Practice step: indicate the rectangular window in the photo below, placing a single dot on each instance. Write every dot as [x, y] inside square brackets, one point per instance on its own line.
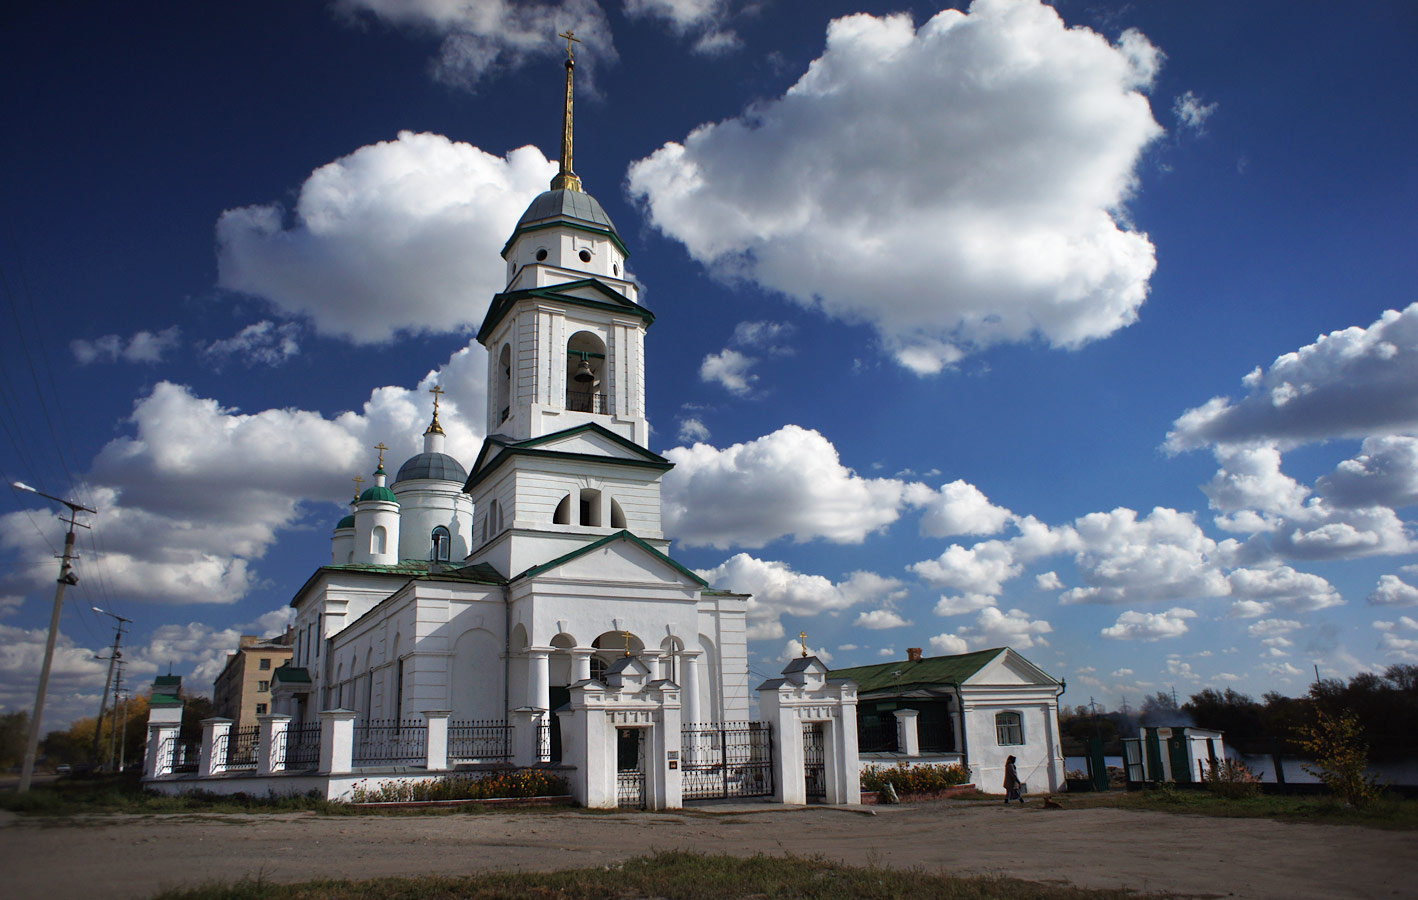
[1009, 730]
[263, 686]
[260, 709]
[265, 663]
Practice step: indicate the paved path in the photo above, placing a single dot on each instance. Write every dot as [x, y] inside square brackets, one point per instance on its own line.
[133, 856]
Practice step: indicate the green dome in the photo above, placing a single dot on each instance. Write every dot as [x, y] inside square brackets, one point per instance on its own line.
[346, 522]
[379, 492]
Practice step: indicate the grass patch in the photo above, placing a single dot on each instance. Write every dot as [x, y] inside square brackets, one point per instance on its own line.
[671, 875]
[1389, 812]
[122, 794]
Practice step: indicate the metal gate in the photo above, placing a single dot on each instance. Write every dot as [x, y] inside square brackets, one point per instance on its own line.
[630, 768]
[814, 761]
[734, 759]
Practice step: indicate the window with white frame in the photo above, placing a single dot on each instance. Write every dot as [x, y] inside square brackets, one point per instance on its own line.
[1009, 729]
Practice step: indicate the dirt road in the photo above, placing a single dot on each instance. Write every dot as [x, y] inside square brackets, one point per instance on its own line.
[132, 856]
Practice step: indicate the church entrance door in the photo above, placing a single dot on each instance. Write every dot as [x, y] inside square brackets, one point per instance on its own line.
[814, 761]
[630, 768]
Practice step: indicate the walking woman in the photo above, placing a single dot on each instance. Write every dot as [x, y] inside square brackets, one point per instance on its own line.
[1011, 783]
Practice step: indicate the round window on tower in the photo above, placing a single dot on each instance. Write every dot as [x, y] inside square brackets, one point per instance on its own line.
[541, 255]
[585, 255]
[615, 269]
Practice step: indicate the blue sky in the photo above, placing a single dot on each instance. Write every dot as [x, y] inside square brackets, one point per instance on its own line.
[1087, 330]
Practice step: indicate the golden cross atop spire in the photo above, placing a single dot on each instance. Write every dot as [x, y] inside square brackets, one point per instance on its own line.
[381, 448]
[565, 179]
[802, 635]
[627, 642]
[570, 38]
[434, 427]
[359, 482]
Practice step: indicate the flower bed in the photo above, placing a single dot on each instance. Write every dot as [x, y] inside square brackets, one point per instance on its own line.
[508, 785]
[875, 798]
[913, 779]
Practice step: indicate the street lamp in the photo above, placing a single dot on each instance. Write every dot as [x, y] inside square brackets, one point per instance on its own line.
[113, 658]
[66, 578]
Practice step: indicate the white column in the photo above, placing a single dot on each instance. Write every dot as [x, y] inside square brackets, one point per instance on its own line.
[160, 756]
[271, 751]
[581, 663]
[539, 677]
[336, 741]
[437, 744]
[653, 660]
[689, 675]
[216, 732]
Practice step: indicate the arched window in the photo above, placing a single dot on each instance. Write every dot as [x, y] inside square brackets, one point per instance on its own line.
[585, 364]
[1009, 729]
[442, 544]
[617, 515]
[562, 516]
[504, 382]
[493, 522]
[378, 540]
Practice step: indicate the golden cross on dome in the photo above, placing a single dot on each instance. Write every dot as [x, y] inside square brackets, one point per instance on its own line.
[570, 39]
[437, 392]
[627, 642]
[358, 483]
[802, 635]
[381, 448]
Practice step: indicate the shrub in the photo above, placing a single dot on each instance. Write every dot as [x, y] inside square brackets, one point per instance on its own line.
[913, 779]
[500, 785]
[1231, 779]
[1341, 756]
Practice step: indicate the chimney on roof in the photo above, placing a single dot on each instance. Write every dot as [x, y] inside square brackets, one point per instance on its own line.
[913, 654]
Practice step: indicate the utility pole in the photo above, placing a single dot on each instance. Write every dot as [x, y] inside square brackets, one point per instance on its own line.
[114, 657]
[113, 729]
[123, 742]
[66, 578]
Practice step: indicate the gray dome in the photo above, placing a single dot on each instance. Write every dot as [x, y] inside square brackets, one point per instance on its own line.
[567, 204]
[437, 466]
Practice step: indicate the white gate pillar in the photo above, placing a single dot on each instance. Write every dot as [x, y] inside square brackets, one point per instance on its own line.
[526, 744]
[162, 749]
[804, 695]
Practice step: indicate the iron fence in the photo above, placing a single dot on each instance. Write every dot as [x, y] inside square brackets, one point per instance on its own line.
[301, 748]
[936, 737]
[544, 742]
[240, 748]
[733, 759]
[479, 739]
[588, 401]
[178, 757]
[390, 741]
[878, 737]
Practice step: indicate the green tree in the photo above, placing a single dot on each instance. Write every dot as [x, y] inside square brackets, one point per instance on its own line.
[14, 731]
[1233, 713]
[1336, 741]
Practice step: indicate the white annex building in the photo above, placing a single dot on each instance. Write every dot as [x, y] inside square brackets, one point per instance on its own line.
[486, 590]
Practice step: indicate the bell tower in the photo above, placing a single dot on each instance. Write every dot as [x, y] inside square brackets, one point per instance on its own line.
[566, 337]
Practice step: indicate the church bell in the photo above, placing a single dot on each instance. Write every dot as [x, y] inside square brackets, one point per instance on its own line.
[584, 373]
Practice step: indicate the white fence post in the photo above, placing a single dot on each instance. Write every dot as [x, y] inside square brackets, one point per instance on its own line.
[907, 732]
[337, 741]
[271, 751]
[437, 743]
[216, 737]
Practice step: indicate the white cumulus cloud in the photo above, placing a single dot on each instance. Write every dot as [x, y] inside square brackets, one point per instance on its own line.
[141, 347]
[958, 508]
[1028, 144]
[398, 236]
[788, 483]
[778, 590]
[1143, 626]
[1394, 591]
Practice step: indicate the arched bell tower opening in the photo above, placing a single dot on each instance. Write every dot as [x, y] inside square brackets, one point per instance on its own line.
[504, 383]
[585, 368]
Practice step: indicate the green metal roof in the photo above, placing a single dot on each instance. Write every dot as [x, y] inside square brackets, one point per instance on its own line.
[346, 522]
[292, 675]
[500, 450]
[931, 670]
[614, 301]
[379, 492]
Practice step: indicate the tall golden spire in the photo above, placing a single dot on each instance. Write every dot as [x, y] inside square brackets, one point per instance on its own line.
[566, 179]
[434, 427]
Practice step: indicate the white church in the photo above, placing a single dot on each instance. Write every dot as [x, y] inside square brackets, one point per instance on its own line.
[525, 609]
